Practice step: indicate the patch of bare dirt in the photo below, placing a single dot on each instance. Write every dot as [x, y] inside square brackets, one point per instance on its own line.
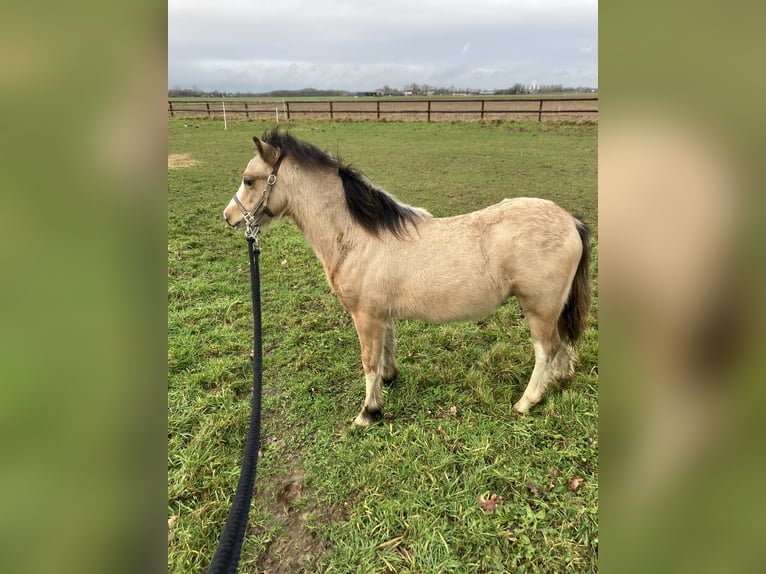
[298, 549]
[180, 161]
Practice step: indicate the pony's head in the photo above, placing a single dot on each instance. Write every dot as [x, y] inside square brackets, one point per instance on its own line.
[258, 196]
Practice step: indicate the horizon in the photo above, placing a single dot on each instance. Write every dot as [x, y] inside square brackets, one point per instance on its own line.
[517, 89]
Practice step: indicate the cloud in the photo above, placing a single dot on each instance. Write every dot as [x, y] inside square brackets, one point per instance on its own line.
[295, 74]
[234, 45]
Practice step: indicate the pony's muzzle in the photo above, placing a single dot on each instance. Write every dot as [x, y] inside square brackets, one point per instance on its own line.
[232, 219]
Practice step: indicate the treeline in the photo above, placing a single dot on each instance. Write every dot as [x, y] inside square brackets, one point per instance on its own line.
[426, 90]
[543, 89]
[195, 92]
[412, 89]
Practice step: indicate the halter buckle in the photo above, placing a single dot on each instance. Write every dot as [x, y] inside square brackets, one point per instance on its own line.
[251, 231]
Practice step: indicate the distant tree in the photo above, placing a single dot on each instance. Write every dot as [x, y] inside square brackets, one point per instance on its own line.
[513, 90]
[550, 88]
[388, 91]
[415, 88]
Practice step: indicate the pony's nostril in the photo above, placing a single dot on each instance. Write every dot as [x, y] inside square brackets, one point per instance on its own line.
[231, 222]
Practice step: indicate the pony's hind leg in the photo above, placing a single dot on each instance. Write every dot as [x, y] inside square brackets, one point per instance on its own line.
[390, 372]
[372, 333]
[563, 364]
[547, 343]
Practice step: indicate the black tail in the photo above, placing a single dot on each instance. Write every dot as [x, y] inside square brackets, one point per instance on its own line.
[574, 316]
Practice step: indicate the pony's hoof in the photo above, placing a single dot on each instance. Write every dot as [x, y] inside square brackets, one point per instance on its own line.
[521, 407]
[366, 418]
[361, 421]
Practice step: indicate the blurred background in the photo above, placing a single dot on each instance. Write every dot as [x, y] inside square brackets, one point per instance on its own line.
[83, 329]
[82, 297]
[681, 306]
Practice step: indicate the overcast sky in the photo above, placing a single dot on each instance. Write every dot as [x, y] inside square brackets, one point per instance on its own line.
[359, 45]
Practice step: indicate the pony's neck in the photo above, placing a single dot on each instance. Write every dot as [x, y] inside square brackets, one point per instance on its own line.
[317, 206]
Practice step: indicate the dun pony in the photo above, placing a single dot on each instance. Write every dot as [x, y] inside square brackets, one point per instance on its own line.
[386, 260]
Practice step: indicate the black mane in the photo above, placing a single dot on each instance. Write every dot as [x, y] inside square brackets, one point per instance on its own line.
[301, 151]
[370, 206]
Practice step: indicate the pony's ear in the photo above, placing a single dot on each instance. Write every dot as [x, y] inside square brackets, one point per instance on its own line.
[268, 152]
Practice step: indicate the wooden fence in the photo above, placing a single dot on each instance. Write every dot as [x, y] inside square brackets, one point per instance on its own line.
[407, 109]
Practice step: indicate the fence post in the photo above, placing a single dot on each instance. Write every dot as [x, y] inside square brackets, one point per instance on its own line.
[287, 107]
[482, 109]
[540, 112]
[247, 113]
[429, 110]
[207, 105]
[331, 116]
[171, 109]
[378, 105]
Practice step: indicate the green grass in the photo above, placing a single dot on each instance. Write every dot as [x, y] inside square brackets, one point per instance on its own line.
[400, 496]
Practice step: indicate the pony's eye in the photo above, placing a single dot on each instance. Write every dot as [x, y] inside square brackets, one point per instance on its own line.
[248, 182]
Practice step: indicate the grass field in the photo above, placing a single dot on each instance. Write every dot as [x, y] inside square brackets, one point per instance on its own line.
[404, 495]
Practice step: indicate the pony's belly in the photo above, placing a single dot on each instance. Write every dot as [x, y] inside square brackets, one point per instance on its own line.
[449, 309]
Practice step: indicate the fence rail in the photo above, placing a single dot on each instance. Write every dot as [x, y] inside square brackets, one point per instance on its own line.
[466, 109]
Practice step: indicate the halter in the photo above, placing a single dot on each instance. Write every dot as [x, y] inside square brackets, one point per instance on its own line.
[261, 208]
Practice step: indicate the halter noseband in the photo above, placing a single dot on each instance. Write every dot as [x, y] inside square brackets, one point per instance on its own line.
[261, 207]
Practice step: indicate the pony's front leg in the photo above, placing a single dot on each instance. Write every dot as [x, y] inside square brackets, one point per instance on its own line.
[372, 340]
